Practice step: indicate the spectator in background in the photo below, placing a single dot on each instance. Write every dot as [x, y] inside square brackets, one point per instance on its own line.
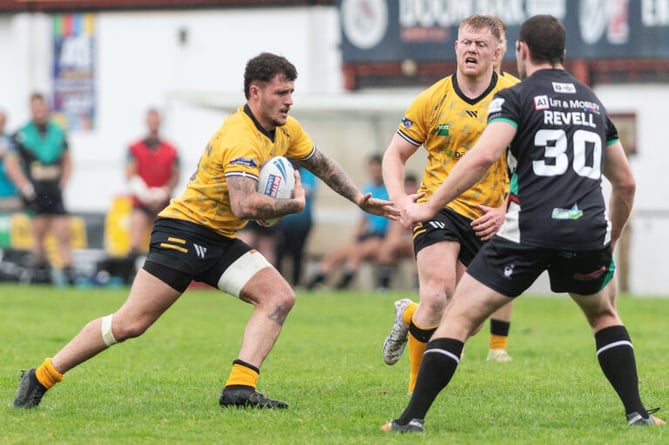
[261, 238]
[10, 200]
[152, 171]
[367, 239]
[397, 244]
[40, 165]
[294, 230]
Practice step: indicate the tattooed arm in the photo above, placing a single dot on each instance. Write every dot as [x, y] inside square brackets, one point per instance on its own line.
[247, 203]
[330, 172]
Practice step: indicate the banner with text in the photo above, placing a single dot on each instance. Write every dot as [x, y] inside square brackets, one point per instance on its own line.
[426, 30]
[74, 70]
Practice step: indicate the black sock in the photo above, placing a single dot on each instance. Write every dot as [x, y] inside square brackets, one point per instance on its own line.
[440, 361]
[385, 273]
[316, 279]
[616, 358]
[499, 327]
[346, 278]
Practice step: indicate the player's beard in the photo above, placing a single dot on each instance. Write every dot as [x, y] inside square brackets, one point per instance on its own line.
[279, 120]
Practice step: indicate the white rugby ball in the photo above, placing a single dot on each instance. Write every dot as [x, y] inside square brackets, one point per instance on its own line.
[276, 179]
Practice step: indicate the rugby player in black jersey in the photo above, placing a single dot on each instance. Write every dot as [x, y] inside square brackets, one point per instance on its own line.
[561, 143]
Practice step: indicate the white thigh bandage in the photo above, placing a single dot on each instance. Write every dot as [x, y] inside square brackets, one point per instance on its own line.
[107, 334]
[240, 272]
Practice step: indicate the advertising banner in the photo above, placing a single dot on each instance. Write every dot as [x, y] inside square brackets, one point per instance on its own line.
[74, 70]
[426, 30]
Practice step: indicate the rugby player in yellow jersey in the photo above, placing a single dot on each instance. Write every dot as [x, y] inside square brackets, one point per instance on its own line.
[194, 238]
[446, 120]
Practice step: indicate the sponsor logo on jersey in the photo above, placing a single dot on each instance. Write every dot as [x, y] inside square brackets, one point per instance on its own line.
[573, 213]
[496, 105]
[472, 113]
[567, 88]
[455, 154]
[408, 123]
[249, 162]
[585, 106]
[442, 129]
[541, 103]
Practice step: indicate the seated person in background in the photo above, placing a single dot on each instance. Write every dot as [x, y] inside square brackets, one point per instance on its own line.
[369, 234]
[152, 171]
[397, 244]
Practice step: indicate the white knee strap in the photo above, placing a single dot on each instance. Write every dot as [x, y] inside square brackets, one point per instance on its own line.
[106, 329]
[240, 272]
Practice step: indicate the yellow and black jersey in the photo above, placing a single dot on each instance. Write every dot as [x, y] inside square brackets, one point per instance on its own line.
[447, 124]
[238, 148]
[510, 77]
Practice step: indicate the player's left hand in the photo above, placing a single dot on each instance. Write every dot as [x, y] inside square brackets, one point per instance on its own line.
[378, 207]
[415, 213]
[488, 224]
[299, 194]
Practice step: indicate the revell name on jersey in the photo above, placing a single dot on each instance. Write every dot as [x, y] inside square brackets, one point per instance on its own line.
[560, 118]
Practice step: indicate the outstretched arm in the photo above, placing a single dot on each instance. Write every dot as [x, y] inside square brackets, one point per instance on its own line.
[470, 168]
[332, 174]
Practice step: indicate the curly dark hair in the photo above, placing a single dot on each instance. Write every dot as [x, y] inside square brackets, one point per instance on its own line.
[263, 68]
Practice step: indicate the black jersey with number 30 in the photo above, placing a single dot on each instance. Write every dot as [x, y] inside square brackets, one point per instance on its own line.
[556, 158]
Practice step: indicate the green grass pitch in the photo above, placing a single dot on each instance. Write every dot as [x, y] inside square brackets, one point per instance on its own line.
[163, 388]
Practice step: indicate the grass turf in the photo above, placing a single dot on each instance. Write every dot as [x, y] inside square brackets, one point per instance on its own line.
[164, 386]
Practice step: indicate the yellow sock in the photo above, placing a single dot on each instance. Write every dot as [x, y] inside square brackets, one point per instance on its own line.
[47, 375]
[242, 375]
[408, 312]
[416, 351]
[498, 341]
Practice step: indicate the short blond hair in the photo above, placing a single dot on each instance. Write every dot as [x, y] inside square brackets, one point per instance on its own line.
[479, 22]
